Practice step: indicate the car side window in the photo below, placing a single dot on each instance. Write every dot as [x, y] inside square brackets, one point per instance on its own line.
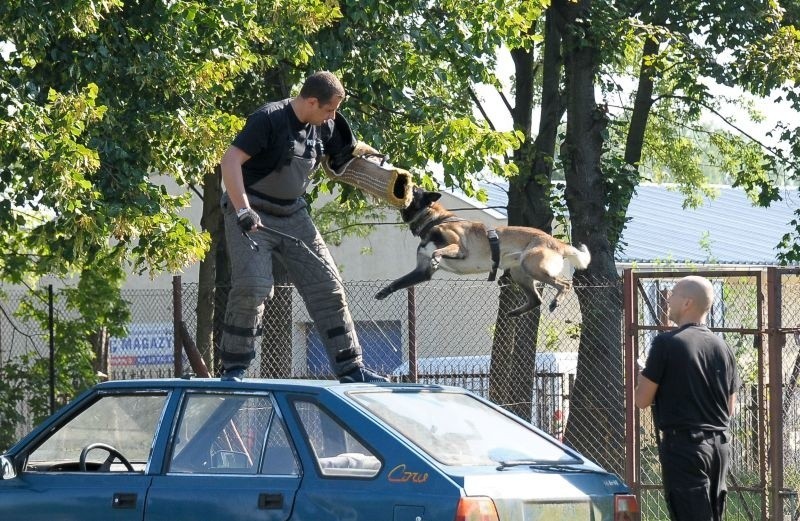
[221, 434]
[279, 458]
[115, 428]
[337, 451]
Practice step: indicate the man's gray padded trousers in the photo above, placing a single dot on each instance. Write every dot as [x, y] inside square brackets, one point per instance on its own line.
[313, 273]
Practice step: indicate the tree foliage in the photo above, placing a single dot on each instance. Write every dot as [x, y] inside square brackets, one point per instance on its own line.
[102, 100]
[691, 51]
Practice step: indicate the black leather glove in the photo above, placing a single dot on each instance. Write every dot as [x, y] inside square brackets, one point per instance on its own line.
[247, 219]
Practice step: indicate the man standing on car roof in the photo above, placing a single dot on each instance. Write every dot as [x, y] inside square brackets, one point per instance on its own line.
[691, 379]
[266, 171]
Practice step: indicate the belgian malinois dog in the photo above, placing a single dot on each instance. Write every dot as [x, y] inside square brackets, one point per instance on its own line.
[463, 247]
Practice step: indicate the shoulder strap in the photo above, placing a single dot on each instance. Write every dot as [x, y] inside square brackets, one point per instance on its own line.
[281, 137]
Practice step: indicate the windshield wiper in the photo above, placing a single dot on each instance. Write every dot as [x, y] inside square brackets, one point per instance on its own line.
[543, 464]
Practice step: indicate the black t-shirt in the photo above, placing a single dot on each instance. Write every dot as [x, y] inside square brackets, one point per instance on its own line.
[696, 373]
[273, 133]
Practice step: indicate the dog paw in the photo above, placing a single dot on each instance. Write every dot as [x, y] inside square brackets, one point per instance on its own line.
[382, 294]
[553, 305]
[435, 260]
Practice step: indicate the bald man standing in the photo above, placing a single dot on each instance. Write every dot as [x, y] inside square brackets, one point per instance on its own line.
[690, 378]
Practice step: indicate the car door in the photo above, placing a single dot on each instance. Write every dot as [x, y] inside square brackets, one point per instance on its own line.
[77, 471]
[229, 458]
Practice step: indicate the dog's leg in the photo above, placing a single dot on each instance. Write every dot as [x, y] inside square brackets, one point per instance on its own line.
[451, 251]
[545, 266]
[423, 272]
[562, 286]
[528, 286]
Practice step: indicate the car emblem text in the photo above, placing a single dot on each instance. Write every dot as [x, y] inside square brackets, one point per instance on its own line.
[399, 474]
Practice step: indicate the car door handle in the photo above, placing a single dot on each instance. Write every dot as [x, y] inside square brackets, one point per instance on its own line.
[124, 500]
[270, 501]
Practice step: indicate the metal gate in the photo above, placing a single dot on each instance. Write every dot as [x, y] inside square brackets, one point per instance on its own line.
[758, 314]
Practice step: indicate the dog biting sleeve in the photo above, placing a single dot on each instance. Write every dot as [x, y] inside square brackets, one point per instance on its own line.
[494, 246]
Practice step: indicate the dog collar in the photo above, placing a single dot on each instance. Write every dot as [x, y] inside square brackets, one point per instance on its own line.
[426, 221]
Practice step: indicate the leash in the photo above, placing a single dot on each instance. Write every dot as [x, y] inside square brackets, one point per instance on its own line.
[298, 242]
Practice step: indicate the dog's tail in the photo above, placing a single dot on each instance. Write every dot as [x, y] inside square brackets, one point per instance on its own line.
[579, 257]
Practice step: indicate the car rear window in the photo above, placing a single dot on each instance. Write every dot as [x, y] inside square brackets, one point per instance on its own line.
[458, 429]
[339, 453]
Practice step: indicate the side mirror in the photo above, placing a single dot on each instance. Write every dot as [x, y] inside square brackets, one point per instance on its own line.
[7, 470]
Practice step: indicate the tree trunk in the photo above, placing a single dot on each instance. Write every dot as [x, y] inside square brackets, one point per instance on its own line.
[100, 344]
[215, 277]
[212, 222]
[595, 425]
[514, 348]
[627, 181]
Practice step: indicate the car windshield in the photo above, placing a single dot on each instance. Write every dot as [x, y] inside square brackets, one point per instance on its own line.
[458, 429]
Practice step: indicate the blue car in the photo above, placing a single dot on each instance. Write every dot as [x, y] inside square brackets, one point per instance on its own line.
[207, 450]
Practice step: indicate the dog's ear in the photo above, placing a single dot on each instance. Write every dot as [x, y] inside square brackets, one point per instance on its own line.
[431, 197]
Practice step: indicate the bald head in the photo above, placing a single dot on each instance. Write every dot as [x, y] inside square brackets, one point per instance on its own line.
[691, 300]
[698, 289]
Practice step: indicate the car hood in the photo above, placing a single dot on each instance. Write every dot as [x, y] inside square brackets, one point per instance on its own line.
[524, 494]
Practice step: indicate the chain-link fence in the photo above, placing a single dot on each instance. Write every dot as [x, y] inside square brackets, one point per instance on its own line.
[18, 340]
[148, 349]
[789, 324]
[30, 319]
[563, 370]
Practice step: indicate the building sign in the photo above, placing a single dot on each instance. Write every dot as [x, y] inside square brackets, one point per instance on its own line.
[145, 345]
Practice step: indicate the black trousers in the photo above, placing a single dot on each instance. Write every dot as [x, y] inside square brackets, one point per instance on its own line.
[694, 466]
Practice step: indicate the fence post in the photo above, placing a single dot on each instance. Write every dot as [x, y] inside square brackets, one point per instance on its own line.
[177, 319]
[775, 343]
[629, 298]
[412, 335]
[51, 331]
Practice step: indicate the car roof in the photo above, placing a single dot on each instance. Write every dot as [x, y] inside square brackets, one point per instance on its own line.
[254, 384]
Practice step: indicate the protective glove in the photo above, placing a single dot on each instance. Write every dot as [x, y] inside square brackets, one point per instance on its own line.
[247, 219]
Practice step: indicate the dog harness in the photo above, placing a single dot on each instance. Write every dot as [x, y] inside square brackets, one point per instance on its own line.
[494, 246]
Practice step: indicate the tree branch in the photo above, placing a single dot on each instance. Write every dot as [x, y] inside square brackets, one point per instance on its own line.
[730, 123]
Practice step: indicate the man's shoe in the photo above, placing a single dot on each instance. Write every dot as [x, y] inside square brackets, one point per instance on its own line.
[233, 375]
[362, 374]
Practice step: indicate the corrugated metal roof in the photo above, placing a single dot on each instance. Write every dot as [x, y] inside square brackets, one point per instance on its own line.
[725, 230]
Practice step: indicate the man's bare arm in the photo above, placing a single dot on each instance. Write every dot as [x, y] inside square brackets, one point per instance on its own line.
[231, 166]
[645, 392]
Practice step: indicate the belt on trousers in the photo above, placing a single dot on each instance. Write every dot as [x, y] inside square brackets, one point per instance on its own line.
[269, 198]
[691, 434]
